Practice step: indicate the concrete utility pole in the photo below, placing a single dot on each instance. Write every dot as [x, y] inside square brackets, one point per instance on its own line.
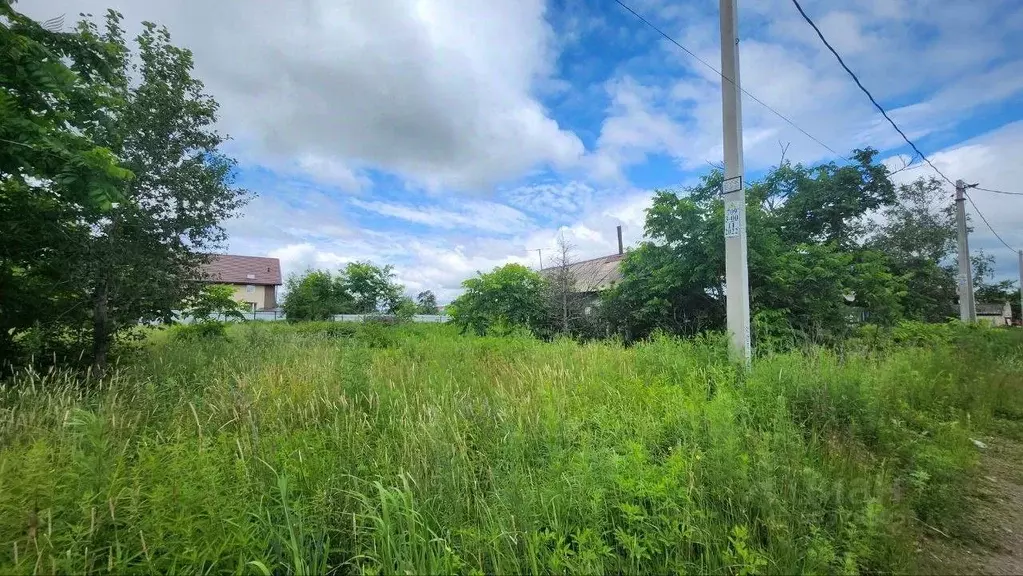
[736, 271]
[967, 308]
[1021, 287]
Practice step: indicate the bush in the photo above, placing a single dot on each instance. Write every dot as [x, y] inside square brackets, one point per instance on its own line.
[327, 329]
[202, 330]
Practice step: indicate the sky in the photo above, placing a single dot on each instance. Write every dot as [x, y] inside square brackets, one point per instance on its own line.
[447, 137]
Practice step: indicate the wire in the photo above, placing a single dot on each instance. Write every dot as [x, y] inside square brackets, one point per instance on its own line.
[716, 71]
[896, 126]
[999, 191]
[867, 92]
[989, 227]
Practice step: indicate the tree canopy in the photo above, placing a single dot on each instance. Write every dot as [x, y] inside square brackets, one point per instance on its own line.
[113, 186]
[809, 269]
[511, 296]
[358, 288]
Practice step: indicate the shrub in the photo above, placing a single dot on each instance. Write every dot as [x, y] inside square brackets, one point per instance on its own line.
[201, 330]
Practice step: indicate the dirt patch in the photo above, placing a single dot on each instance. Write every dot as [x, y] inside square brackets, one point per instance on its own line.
[994, 541]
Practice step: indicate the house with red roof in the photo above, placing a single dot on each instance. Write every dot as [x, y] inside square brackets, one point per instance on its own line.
[254, 279]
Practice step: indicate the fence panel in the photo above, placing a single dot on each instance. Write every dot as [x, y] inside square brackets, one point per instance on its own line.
[276, 315]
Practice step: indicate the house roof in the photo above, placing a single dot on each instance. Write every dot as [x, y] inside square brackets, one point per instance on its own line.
[990, 309]
[231, 269]
[593, 275]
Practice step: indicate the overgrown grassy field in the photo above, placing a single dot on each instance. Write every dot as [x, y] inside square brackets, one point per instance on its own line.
[309, 448]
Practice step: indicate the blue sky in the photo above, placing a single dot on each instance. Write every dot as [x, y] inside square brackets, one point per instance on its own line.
[446, 137]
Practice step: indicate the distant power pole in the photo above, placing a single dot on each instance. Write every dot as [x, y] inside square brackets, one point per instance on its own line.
[967, 308]
[736, 271]
[1021, 287]
[539, 254]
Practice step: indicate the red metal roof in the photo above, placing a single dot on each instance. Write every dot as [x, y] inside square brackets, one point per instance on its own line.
[231, 269]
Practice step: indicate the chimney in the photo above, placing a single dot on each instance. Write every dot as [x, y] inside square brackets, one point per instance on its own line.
[621, 248]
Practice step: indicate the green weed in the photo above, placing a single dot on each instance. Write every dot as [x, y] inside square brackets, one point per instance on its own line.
[311, 448]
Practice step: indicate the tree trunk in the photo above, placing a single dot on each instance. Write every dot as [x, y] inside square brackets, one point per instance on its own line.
[564, 309]
[100, 329]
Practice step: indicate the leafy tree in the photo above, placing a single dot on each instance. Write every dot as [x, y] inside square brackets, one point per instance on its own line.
[215, 300]
[315, 295]
[53, 177]
[372, 288]
[508, 297]
[426, 303]
[804, 228]
[52, 84]
[405, 308]
[918, 236]
[145, 254]
[359, 288]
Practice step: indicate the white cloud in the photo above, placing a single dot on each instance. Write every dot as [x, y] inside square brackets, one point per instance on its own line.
[992, 160]
[937, 61]
[487, 216]
[552, 199]
[297, 258]
[440, 91]
[634, 128]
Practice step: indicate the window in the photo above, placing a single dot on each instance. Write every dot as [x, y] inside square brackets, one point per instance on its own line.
[250, 289]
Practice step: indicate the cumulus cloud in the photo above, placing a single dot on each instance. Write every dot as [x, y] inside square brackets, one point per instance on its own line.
[933, 63]
[992, 160]
[549, 198]
[489, 216]
[439, 91]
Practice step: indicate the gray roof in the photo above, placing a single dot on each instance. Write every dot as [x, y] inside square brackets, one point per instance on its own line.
[990, 309]
[592, 275]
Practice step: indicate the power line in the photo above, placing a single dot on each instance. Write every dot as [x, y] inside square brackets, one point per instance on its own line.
[716, 71]
[999, 191]
[894, 125]
[989, 227]
[867, 92]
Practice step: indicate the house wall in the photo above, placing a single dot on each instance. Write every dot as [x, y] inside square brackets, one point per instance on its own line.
[992, 320]
[251, 294]
[269, 297]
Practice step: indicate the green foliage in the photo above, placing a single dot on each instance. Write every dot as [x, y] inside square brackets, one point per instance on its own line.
[405, 308]
[114, 185]
[53, 177]
[426, 303]
[215, 300]
[372, 288]
[509, 297]
[359, 288]
[52, 83]
[806, 261]
[289, 449]
[206, 329]
[315, 295]
[918, 238]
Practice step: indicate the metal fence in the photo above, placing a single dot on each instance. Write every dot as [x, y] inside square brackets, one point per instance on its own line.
[274, 315]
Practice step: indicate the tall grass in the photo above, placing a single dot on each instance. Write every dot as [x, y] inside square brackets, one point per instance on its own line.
[415, 450]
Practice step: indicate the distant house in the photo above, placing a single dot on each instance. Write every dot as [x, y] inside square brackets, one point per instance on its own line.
[593, 276]
[255, 279]
[995, 314]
